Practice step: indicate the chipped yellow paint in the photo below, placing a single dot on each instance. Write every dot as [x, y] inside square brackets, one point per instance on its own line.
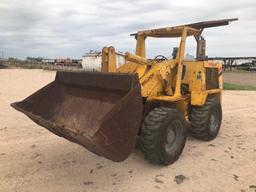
[161, 81]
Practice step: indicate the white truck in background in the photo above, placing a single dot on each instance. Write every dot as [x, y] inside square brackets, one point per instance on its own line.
[91, 61]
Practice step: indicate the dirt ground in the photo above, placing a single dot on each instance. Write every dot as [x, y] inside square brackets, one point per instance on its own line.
[240, 77]
[33, 159]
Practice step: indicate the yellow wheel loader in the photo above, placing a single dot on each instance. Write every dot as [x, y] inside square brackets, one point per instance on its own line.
[155, 102]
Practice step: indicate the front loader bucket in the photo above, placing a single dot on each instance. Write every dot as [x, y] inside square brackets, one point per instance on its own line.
[100, 111]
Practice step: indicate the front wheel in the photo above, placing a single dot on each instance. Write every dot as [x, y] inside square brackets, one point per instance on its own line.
[163, 135]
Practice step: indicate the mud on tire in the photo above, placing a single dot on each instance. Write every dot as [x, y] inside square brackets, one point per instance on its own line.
[163, 135]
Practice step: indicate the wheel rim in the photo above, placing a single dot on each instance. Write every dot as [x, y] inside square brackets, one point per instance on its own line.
[171, 136]
[213, 122]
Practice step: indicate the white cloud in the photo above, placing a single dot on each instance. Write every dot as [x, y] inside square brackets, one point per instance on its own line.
[69, 28]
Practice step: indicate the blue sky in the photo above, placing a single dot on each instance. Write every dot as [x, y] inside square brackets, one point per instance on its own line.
[62, 28]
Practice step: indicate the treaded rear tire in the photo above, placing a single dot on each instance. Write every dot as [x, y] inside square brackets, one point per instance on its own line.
[201, 120]
[157, 126]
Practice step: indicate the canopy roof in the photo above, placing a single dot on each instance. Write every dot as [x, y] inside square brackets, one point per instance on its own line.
[192, 29]
[168, 32]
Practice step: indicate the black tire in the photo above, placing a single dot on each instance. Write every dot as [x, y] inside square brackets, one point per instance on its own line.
[163, 135]
[206, 120]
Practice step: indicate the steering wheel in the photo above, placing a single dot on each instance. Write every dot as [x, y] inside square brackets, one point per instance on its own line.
[160, 58]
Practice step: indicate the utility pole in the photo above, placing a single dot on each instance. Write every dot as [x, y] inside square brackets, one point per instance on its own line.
[2, 54]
